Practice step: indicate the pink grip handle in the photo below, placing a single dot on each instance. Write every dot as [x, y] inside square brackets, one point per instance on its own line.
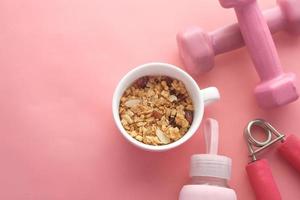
[262, 181]
[290, 150]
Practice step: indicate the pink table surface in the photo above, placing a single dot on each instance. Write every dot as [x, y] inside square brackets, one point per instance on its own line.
[60, 61]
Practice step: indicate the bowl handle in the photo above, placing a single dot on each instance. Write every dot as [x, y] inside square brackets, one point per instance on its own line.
[210, 95]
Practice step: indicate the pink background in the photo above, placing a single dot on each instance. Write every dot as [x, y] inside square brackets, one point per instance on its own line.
[60, 61]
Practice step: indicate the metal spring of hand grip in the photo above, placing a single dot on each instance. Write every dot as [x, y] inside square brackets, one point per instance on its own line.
[269, 130]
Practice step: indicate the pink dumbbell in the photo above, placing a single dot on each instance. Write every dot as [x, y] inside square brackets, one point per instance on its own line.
[198, 48]
[276, 88]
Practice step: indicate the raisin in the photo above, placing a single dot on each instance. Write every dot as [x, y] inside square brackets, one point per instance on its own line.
[142, 82]
[156, 114]
[173, 92]
[189, 116]
[181, 97]
[168, 80]
[172, 121]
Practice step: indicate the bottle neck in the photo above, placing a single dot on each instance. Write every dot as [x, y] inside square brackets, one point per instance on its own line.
[202, 180]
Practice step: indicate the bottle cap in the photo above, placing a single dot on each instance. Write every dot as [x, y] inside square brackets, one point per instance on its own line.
[211, 164]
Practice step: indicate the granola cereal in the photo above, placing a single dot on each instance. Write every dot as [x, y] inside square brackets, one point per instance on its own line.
[156, 110]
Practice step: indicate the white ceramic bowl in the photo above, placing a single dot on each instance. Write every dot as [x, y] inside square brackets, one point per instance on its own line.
[199, 97]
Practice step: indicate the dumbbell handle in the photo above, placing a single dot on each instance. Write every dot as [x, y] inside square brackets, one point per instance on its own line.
[259, 41]
[229, 37]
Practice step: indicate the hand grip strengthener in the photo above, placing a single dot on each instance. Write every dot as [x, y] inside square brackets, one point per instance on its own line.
[258, 170]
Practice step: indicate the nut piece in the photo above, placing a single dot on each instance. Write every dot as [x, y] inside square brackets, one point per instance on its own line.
[174, 133]
[172, 98]
[139, 138]
[132, 102]
[162, 137]
[127, 118]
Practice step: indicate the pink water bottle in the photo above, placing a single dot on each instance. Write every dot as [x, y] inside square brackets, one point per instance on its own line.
[209, 172]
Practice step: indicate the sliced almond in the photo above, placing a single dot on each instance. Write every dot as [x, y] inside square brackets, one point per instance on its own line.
[172, 98]
[132, 102]
[162, 137]
[139, 138]
[130, 113]
[133, 133]
[127, 118]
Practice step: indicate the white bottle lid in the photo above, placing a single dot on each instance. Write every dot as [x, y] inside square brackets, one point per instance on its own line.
[211, 164]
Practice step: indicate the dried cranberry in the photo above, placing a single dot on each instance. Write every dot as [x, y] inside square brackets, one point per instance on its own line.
[142, 82]
[172, 121]
[189, 116]
[181, 97]
[168, 80]
[156, 114]
[173, 92]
